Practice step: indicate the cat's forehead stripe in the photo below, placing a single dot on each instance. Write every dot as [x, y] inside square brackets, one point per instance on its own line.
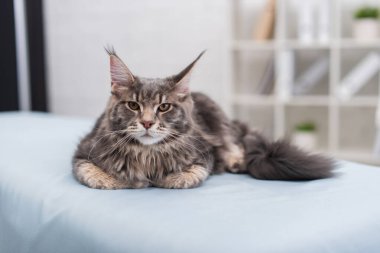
[143, 94]
[150, 91]
[159, 98]
[137, 96]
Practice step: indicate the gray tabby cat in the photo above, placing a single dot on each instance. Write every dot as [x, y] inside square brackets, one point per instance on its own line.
[155, 132]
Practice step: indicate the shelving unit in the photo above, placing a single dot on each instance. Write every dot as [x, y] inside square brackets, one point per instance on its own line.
[276, 114]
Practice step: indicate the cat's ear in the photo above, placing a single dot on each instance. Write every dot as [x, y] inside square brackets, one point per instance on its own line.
[121, 76]
[182, 79]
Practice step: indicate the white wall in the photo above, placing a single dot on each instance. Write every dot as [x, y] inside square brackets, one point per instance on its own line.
[154, 38]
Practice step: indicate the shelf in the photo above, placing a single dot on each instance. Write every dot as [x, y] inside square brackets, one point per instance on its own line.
[243, 99]
[343, 43]
[346, 129]
[309, 100]
[241, 45]
[296, 44]
[353, 43]
[361, 101]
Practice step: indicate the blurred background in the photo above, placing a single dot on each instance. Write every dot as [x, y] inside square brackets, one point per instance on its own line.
[307, 70]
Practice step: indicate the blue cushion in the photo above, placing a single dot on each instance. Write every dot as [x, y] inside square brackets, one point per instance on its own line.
[43, 209]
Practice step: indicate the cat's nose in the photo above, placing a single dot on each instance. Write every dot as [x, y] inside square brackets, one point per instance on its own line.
[147, 124]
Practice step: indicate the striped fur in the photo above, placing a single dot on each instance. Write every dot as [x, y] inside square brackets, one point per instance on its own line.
[183, 145]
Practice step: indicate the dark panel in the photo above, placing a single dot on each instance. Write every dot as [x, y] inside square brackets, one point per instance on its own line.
[37, 75]
[8, 66]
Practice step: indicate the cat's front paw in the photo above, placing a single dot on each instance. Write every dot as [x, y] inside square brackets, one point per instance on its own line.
[189, 178]
[92, 176]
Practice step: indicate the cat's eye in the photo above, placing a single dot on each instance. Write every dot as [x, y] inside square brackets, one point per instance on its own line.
[133, 105]
[164, 107]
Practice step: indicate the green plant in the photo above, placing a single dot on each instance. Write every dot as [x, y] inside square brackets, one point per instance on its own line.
[367, 12]
[306, 127]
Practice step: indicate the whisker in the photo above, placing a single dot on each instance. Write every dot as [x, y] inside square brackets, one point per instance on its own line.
[103, 136]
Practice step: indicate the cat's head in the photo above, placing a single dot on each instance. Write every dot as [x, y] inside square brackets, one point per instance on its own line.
[148, 110]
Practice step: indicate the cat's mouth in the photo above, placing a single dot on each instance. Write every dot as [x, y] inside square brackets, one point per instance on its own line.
[148, 139]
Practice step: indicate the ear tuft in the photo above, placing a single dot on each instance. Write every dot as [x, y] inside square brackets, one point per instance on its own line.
[182, 80]
[120, 74]
[110, 50]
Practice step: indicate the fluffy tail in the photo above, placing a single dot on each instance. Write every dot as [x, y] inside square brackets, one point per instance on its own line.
[281, 160]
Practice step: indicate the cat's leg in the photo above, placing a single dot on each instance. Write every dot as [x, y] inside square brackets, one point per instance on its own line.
[188, 178]
[92, 176]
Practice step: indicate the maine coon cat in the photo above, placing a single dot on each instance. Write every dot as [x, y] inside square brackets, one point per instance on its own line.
[155, 132]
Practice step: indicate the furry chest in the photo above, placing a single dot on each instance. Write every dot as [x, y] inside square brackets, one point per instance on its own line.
[150, 164]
